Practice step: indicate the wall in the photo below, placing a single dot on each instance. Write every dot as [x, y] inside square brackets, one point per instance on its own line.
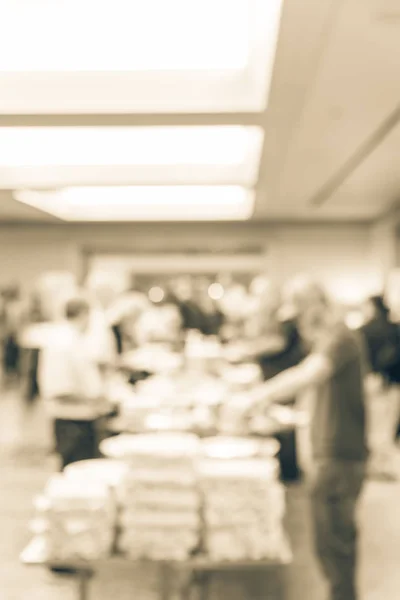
[339, 254]
[384, 243]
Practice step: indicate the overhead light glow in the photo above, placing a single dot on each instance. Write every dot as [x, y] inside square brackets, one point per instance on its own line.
[354, 319]
[143, 203]
[216, 291]
[124, 35]
[114, 146]
[152, 56]
[156, 295]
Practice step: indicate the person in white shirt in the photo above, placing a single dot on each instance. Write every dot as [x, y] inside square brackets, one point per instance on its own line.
[72, 386]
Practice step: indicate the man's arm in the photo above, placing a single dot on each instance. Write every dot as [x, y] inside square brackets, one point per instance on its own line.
[252, 349]
[268, 345]
[315, 369]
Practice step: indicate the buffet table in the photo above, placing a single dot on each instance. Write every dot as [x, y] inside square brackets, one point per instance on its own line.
[200, 400]
[191, 574]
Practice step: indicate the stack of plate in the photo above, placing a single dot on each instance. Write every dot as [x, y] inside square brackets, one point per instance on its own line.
[105, 471]
[244, 506]
[77, 521]
[159, 499]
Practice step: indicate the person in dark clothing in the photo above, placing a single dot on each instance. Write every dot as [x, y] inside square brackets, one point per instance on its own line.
[181, 293]
[336, 367]
[191, 314]
[212, 318]
[13, 318]
[117, 333]
[271, 365]
[382, 338]
[278, 346]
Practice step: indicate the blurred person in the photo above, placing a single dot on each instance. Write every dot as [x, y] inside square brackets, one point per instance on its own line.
[13, 322]
[182, 292]
[72, 386]
[275, 346]
[31, 353]
[234, 306]
[336, 367]
[273, 340]
[212, 316]
[123, 315]
[382, 338]
[161, 323]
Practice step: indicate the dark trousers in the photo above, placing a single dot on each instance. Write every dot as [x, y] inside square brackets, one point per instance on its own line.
[76, 440]
[11, 355]
[288, 456]
[335, 489]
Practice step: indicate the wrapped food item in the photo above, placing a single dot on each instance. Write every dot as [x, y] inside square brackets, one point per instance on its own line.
[158, 543]
[159, 500]
[160, 448]
[241, 377]
[160, 496]
[232, 415]
[159, 517]
[104, 471]
[223, 447]
[155, 358]
[135, 411]
[77, 522]
[244, 507]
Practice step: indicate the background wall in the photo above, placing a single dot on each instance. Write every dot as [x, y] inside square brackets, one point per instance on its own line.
[339, 254]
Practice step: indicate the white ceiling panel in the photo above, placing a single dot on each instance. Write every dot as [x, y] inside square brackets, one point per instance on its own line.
[355, 89]
[375, 185]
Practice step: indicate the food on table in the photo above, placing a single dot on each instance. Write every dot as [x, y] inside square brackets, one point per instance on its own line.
[244, 505]
[76, 521]
[159, 499]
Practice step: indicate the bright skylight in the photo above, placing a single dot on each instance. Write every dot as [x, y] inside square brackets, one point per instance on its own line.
[143, 203]
[124, 35]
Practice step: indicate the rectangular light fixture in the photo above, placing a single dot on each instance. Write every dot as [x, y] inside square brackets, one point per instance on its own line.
[143, 203]
[63, 156]
[124, 35]
[152, 56]
[103, 146]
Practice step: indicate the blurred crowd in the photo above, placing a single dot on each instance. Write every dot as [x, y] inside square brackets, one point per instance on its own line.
[127, 314]
[131, 314]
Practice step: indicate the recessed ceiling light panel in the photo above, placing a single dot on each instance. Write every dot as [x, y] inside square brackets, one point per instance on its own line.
[183, 203]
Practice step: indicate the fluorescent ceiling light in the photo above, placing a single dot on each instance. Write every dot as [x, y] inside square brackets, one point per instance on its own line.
[143, 203]
[107, 146]
[61, 157]
[148, 56]
[124, 35]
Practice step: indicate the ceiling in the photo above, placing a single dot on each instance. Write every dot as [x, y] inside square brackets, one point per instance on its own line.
[325, 102]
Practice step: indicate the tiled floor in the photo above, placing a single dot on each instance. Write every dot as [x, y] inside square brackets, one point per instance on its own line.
[25, 462]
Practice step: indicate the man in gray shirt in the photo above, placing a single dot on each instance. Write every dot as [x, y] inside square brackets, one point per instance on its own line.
[335, 367]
